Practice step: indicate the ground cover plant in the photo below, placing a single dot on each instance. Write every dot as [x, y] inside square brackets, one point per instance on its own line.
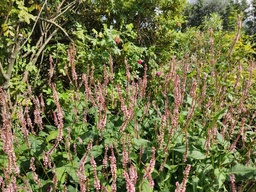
[122, 109]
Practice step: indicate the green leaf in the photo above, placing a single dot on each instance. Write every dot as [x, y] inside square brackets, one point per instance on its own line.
[71, 170]
[71, 188]
[220, 138]
[145, 186]
[94, 31]
[195, 181]
[171, 168]
[53, 135]
[96, 151]
[219, 115]
[50, 127]
[196, 155]
[180, 149]
[60, 171]
[140, 142]
[35, 143]
[25, 16]
[221, 177]
[189, 100]
[129, 27]
[243, 172]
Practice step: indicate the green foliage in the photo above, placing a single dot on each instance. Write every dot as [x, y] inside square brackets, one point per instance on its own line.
[214, 22]
[118, 94]
[227, 10]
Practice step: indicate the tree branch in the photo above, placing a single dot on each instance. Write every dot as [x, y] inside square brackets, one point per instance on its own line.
[57, 25]
[2, 72]
[11, 62]
[65, 10]
[33, 28]
[33, 60]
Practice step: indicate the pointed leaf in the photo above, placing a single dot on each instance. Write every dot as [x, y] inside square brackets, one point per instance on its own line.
[197, 155]
[243, 172]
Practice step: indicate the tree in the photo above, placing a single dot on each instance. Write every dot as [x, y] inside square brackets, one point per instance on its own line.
[27, 27]
[228, 10]
[34, 31]
[250, 22]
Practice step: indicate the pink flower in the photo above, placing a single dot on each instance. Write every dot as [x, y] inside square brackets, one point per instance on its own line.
[158, 73]
[139, 62]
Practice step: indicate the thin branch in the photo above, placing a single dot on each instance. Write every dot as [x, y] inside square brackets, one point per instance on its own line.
[50, 21]
[65, 10]
[13, 56]
[33, 28]
[57, 25]
[38, 53]
[11, 61]
[40, 40]
[60, 5]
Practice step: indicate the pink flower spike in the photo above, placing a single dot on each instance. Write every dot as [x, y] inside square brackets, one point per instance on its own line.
[158, 73]
[139, 62]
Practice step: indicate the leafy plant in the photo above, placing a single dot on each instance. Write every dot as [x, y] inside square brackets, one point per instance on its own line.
[106, 112]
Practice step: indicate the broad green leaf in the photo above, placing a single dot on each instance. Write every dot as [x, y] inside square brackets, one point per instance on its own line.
[43, 134]
[60, 171]
[25, 16]
[189, 100]
[35, 143]
[145, 186]
[71, 188]
[196, 155]
[221, 177]
[52, 135]
[72, 168]
[171, 168]
[140, 142]
[243, 172]
[220, 137]
[180, 149]
[219, 115]
[50, 127]
[96, 151]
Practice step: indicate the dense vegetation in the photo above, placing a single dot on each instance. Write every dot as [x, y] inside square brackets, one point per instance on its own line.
[124, 95]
